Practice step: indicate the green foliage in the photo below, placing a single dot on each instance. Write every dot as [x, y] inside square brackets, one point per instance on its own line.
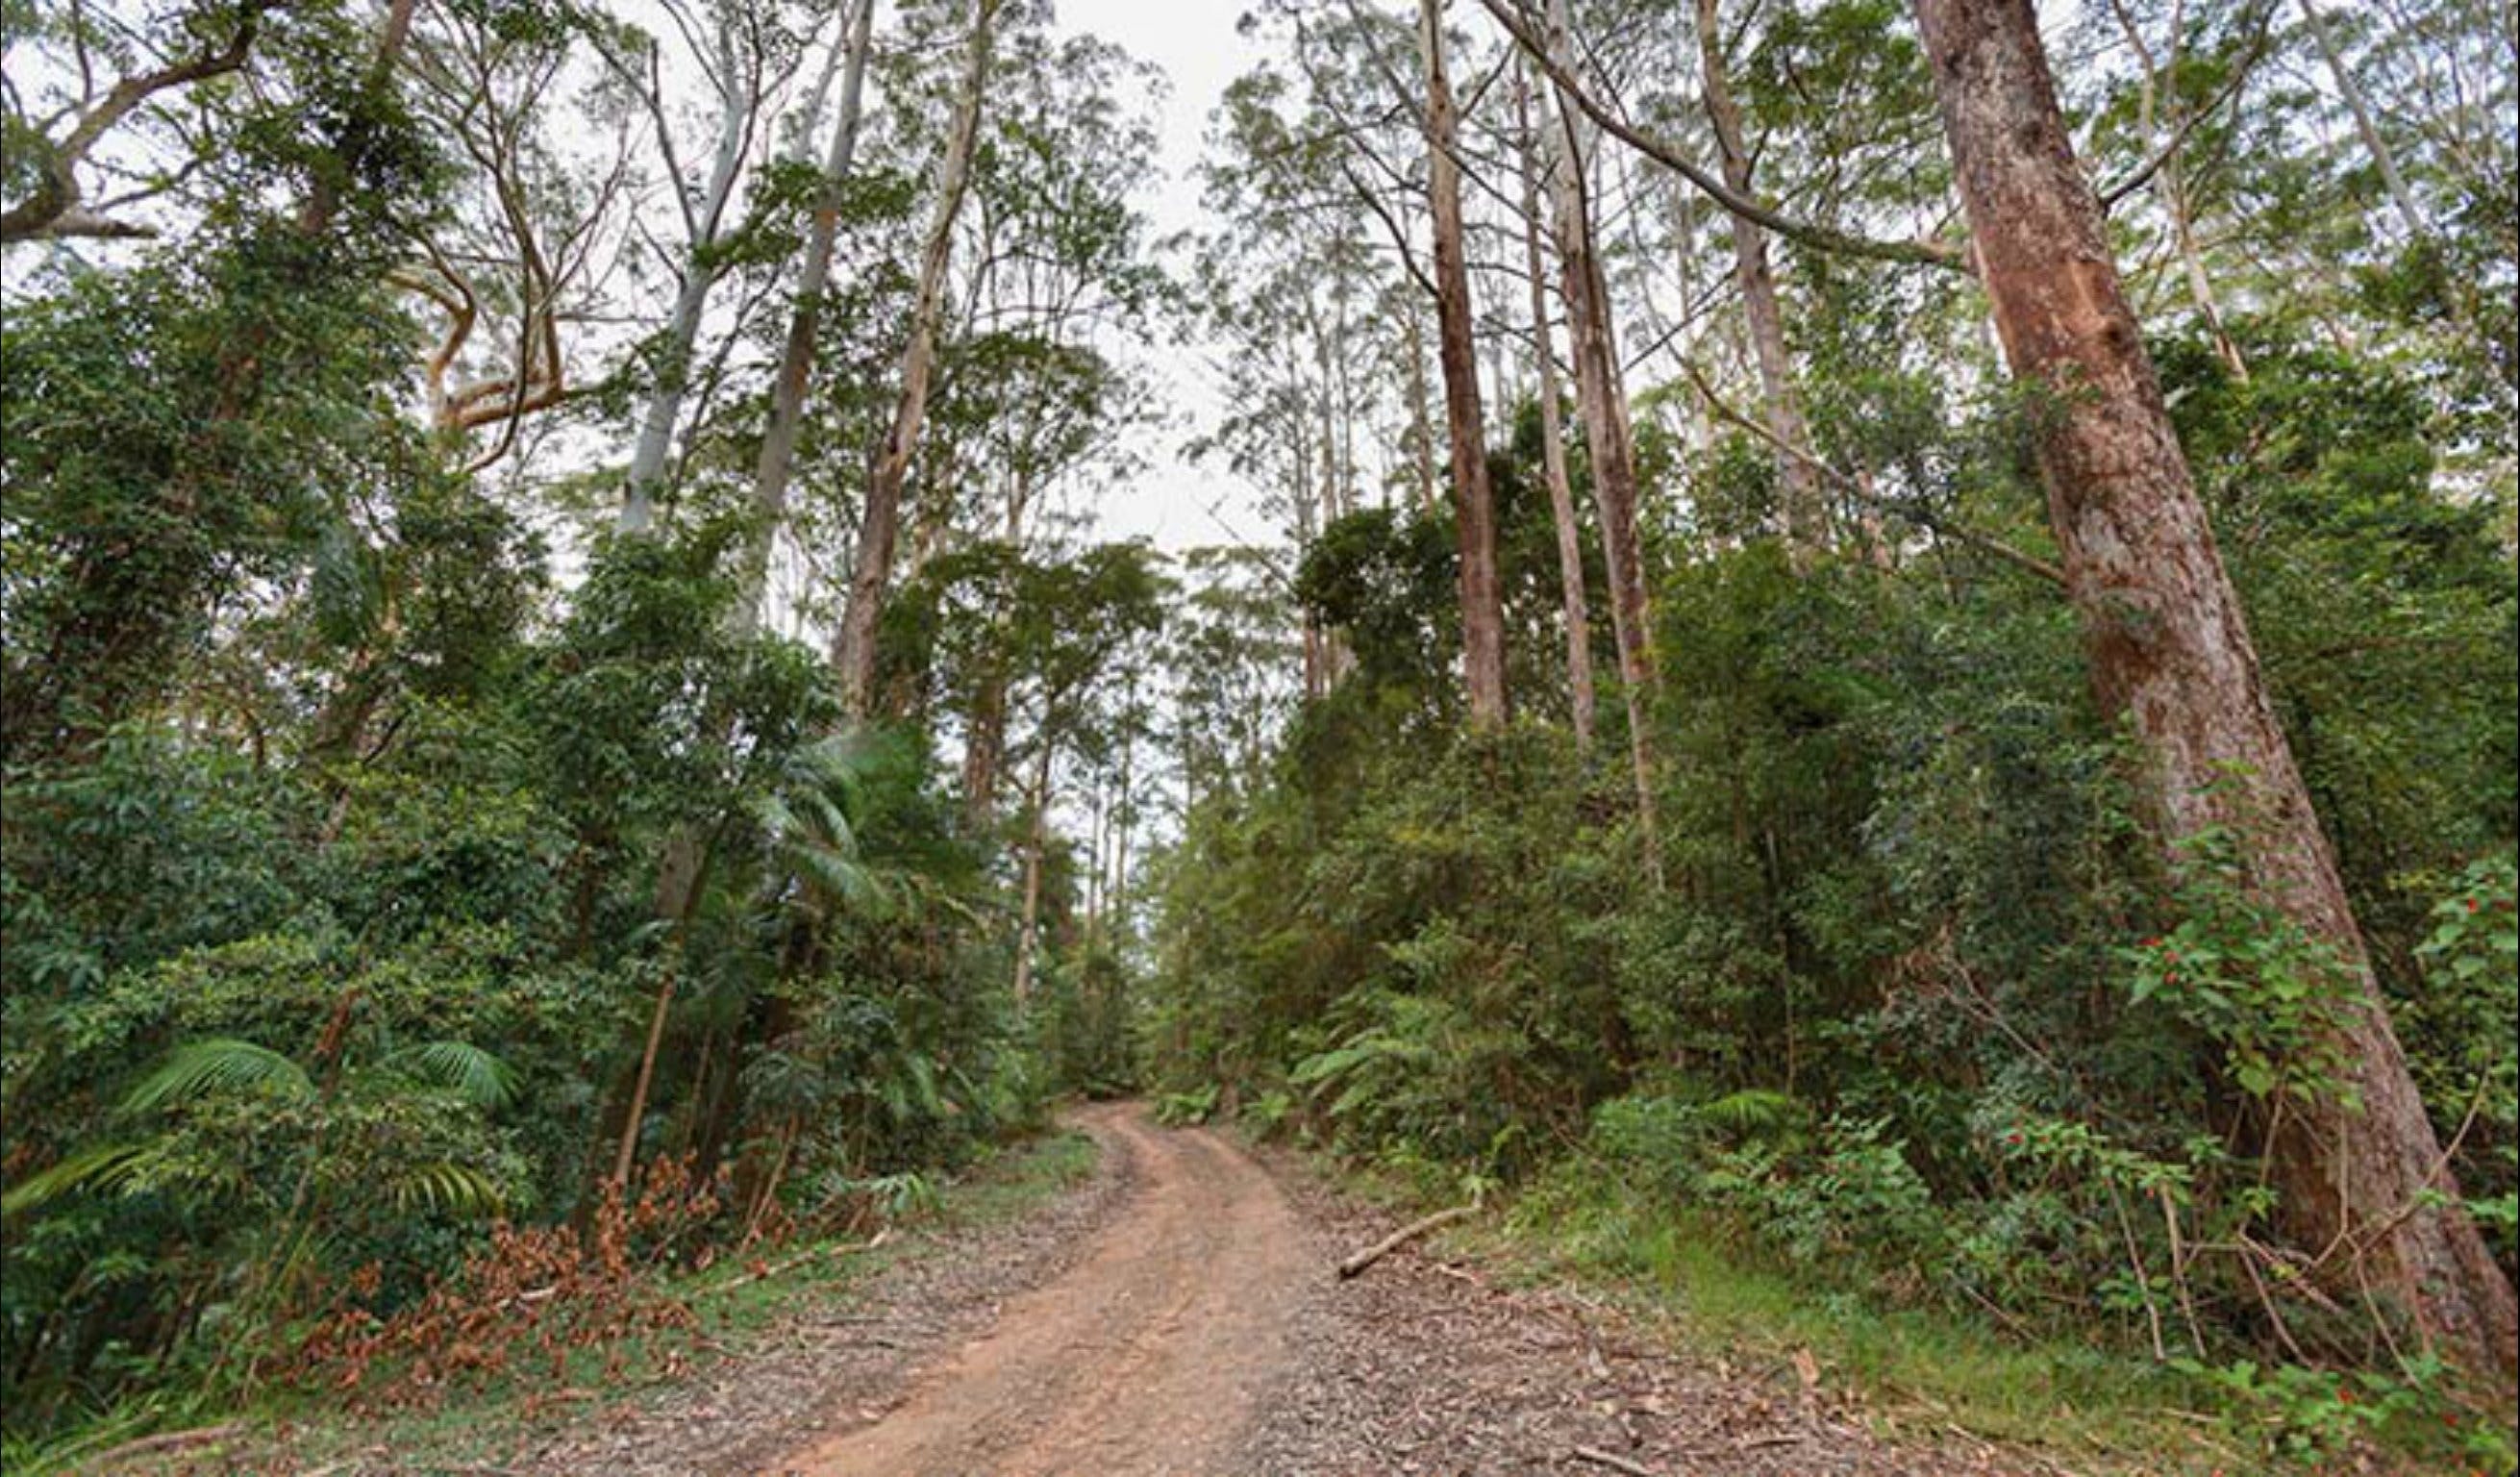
[2249, 979]
[1186, 1108]
[1886, 1026]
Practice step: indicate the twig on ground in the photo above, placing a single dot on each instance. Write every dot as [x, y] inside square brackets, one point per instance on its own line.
[1614, 1462]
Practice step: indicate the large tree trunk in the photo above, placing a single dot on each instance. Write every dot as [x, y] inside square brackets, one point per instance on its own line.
[880, 530]
[2169, 648]
[1553, 443]
[1805, 507]
[778, 462]
[1602, 397]
[1473, 500]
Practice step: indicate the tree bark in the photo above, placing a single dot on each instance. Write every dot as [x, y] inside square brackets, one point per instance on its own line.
[1553, 443]
[1356, 1264]
[2170, 651]
[1610, 443]
[1804, 508]
[777, 461]
[1473, 499]
[880, 530]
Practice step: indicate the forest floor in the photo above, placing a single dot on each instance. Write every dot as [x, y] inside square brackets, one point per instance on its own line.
[1176, 1312]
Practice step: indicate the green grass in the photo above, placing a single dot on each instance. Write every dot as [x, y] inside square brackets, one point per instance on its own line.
[730, 1309]
[1910, 1372]
[1915, 1373]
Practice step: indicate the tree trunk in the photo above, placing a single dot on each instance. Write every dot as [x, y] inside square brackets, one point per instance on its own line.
[2382, 157]
[1553, 443]
[678, 888]
[1034, 845]
[2167, 188]
[2169, 650]
[683, 327]
[1421, 426]
[778, 459]
[1805, 507]
[880, 528]
[1604, 400]
[984, 748]
[1473, 500]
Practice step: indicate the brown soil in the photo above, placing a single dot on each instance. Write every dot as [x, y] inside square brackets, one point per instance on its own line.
[1205, 1333]
[1152, 1358]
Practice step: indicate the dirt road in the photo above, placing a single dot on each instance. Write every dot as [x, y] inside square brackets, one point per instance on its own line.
[1176, 1313]
[1153, 1357]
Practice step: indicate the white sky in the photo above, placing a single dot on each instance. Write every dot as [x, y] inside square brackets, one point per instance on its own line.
[1197, 47]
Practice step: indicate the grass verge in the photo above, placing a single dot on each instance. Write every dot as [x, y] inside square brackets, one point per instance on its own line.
[1915, 1373]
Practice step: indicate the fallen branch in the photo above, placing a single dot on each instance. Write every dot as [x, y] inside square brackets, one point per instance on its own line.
[776, 1268]
[1403, 1236]
[1614, 1462]
[112, 1457]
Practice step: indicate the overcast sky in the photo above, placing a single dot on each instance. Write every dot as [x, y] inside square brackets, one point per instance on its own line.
[1197, 45]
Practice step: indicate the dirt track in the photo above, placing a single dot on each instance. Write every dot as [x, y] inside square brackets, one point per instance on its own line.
[1176, 1313]
[1199, 1330]
[1151, 1357]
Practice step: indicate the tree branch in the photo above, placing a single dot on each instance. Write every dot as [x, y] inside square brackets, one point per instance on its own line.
[2137, 177]
[1854, 487]
[51, 209]
[1929, 253]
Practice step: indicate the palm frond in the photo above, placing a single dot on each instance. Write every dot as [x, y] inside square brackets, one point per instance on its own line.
[103, 1167]
[220, 1065]
[478, 1076]
[839, 876]
[443, 1184]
